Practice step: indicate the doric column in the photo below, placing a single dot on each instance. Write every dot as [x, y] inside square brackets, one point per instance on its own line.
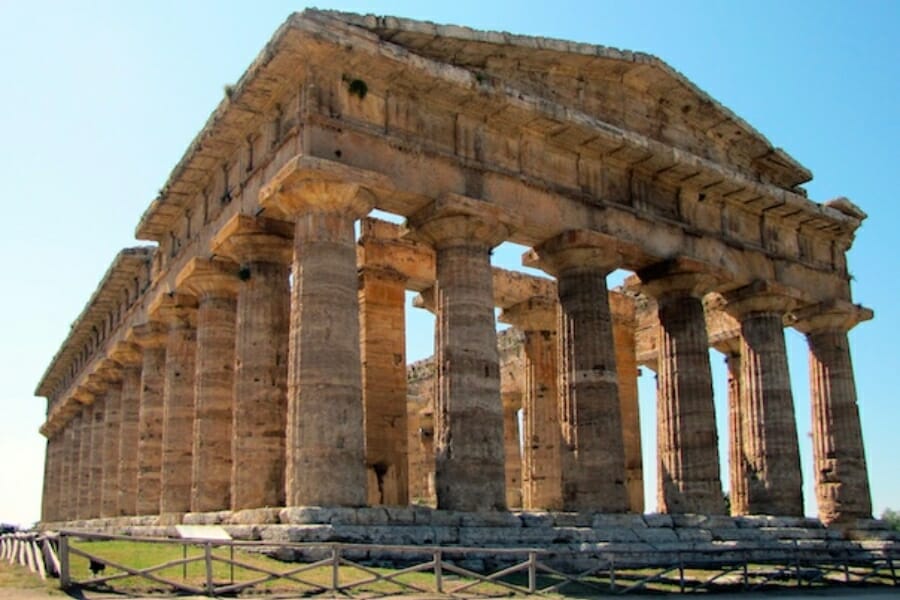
[111, 372]
[737, 463]
[541, 468]
[215, 284]
[688, 478]
[770, 430]
[512, 402]
[382, 299]
[262, 248]
[95, 452]
[593, 457]
[469, 446]
[325, 438]
[178, 312]
[842, 480]
[624, 325]
[151, 337]
[73, 481]
[130, 357]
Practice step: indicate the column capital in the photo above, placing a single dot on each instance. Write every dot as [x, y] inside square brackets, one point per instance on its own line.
[831, 315]
[426, 299]
[245, 239]
[538, 313]
[382, 273]
[151, 334]
[309, 184]
[454, 220]
[675, 278]
[760, 297]
[126, 353]
[83, 395]
[110, 371]
[174, 309]
[576, 250]
[95, 384]
[209, 278]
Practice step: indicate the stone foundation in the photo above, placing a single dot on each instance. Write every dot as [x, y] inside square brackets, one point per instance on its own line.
[635, 539]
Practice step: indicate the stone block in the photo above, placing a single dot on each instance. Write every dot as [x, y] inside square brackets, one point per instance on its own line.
[401, 515]
[657, 520]
[490, 519]
[536, 519]
[572, 519]
[422, 515]
[207, 518]
[615, 534]
[447, 518]
[656, 535]
[244, 532]
[793, 533]
[624, 521]
[688, 520]
[255, 516]
[372, 515]
[172, 518]
[693, 534]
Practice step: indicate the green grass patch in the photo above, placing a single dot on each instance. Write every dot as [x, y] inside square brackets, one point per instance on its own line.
[145, 555]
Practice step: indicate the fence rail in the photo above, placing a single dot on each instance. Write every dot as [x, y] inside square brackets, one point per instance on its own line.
[331, 568]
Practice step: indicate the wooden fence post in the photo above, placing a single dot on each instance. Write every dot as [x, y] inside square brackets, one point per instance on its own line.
[64, 576]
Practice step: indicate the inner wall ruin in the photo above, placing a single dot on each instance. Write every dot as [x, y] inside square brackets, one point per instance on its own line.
[253, 356]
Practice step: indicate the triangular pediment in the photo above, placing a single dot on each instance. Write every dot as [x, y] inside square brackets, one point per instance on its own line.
[629, 90]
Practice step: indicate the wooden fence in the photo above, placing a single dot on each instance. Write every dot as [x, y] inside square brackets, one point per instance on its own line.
[349, 569]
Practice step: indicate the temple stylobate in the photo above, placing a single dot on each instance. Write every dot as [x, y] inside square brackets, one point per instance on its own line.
[254, 355]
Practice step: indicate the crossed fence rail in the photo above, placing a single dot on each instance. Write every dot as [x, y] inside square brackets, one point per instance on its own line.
[332, 568]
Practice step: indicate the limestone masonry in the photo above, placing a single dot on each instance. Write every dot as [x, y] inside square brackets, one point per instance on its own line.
[253, 357]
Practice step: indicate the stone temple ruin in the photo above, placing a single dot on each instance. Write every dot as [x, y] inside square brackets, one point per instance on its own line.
[253, 359]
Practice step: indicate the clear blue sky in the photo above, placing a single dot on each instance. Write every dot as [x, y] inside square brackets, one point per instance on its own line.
[100, 99]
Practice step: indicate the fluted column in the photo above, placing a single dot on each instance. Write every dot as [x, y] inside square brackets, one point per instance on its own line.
[737, 463]
[215, 284]
[623, 320]
[541, 468]
[69, 462]
[469, 446]
[512, 402]
[688, 478]
[151, 337]
[129, 356]
[325, 436]
[73, 495]
[262, 248]
[112, 425]
[382, 298]
[178, 312]
[771, 449]
[95, 453]
[841, 476]
[593, 457]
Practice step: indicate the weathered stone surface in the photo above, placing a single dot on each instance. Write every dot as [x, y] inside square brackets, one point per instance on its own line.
[382, 299]
[770, 430]
[129, 438]
[112, 432]
[325, 438]
[688, 472]
[842, 483]
[469, 448]
[152, 338]
[263, 250]
[593, 457]
[179, 314]
[215, 285]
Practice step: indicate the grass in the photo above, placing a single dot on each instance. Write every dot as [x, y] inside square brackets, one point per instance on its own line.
[143, 555]
[16, 577]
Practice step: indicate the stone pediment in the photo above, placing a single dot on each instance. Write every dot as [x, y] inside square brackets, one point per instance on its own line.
[629, 90]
